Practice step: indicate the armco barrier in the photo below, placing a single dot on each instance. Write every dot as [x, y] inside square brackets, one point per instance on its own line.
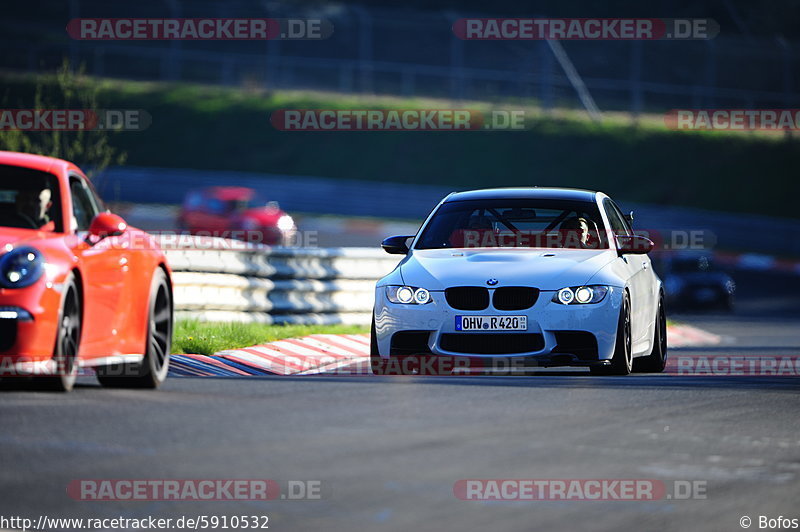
[222, 280]
[306, 194]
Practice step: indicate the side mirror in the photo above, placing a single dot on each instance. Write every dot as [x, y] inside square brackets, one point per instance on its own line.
[107, 224]
[629, 217]
[396, 245]
[635, 244]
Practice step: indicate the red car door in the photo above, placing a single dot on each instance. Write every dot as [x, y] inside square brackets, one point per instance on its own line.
[211, 217]
[104, 267]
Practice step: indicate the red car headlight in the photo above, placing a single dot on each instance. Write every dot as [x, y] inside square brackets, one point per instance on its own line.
[21, 267]
[285, 223]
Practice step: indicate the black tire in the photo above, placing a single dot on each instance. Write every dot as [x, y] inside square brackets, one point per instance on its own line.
[621, 361]
[378, 365]
[153, 369]
[727, 303]
[656, 361]
[68, 341]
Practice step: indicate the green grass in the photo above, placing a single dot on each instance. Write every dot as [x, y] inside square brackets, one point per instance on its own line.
[207, 338]
[228, 128]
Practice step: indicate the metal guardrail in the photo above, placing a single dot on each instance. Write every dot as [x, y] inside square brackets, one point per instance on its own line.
[222, 280]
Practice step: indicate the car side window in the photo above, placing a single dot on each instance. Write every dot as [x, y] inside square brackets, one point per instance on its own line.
[194, 201]
[215, 206]
[615, 219]
[99, 206]
[628, 225]
[83, 208]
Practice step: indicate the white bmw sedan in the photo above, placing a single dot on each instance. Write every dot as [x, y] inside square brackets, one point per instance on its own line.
[519, 278]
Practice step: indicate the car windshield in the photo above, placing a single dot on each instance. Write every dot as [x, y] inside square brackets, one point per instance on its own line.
[226, 204]
[29, 199]
[516, 223]
[238, 205]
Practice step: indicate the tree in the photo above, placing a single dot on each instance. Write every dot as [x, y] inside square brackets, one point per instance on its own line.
[89, 148]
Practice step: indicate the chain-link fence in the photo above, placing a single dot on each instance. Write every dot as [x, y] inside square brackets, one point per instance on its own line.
[415, 53]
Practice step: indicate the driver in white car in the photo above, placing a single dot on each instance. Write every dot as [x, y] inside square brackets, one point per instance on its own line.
[576, 233]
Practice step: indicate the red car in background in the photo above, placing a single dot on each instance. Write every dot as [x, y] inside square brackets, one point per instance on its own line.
[78, 286]
[237, 213]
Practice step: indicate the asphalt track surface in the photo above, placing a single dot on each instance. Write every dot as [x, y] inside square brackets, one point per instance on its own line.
[388, 450]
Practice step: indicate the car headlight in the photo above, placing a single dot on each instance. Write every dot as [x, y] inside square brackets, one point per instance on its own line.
[285, 223]
[408, 295]
[580, 295]
[21, 267]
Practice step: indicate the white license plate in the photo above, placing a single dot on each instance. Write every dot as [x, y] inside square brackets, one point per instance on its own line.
[491, 323]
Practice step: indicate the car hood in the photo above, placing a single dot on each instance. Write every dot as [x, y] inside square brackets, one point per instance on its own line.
[264, 216]
[546, 269]
[17, 237]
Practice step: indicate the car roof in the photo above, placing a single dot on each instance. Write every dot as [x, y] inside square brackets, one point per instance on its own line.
[573, 194]
[35, 162]
[230, 193]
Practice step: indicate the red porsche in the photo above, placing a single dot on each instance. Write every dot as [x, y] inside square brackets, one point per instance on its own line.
[237, 213]
[78, 287]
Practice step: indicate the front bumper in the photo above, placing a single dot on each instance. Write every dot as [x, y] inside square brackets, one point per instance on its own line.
[28, 323]
[549, 324]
